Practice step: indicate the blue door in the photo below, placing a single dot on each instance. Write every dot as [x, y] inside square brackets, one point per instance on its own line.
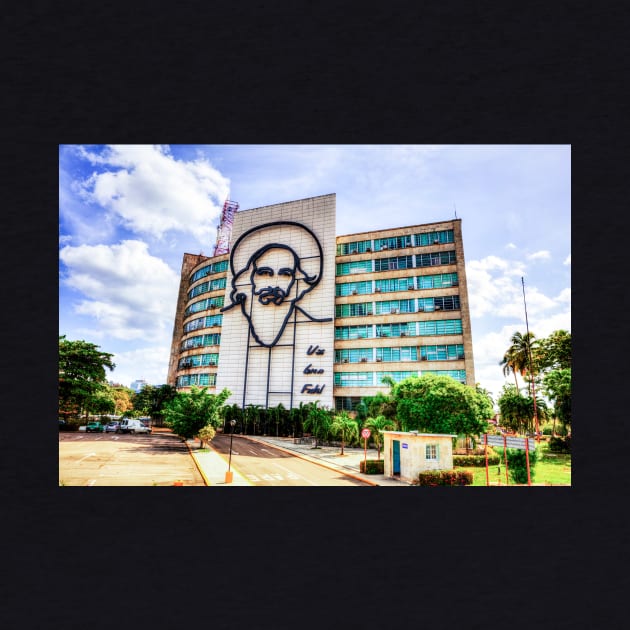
[396, 459]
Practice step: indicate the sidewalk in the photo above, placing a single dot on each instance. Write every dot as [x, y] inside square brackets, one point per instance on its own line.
[213, 465]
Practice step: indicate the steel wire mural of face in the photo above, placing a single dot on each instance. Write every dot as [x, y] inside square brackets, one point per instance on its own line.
[268, 284]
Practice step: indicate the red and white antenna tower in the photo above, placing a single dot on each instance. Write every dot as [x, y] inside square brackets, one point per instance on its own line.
[224, 231]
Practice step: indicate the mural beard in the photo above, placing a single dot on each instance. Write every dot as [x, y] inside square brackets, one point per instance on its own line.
[268, 316]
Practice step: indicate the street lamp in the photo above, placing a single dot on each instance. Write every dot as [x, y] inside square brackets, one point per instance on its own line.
[229, 474]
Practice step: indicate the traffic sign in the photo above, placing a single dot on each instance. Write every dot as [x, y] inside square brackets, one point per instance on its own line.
[365, 433]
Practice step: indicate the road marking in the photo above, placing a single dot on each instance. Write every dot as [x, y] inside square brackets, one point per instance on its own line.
[91, 482]
[88, 455]
[266, 450]
[253, 477]
[267, 477]
[293, 475]
[79, 437]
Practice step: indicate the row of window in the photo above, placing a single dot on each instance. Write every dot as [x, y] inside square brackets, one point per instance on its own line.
[199, 360]
[405, 329]
[203, 305]
[213, 339]
[203, 322]
[216, 267]
[374, 379]
[405, 353]
[201, 380]
[398, 262]
[388, 285]
[445, 303]
[422, 239]
[204, 287]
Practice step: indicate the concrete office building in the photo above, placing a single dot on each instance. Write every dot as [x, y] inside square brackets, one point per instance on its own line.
[294, 313]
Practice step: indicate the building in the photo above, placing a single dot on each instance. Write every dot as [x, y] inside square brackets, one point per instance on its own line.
[294, 313]
[137, 385]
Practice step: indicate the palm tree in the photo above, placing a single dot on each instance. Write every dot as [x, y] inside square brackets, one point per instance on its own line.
[345, 426]
[518, 356]
[376, 425]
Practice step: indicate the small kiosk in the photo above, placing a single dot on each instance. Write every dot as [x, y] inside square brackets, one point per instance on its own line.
[408, 453]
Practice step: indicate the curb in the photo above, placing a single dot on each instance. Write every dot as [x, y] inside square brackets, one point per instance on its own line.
[203, 475]
[313, 460]
[240, 474]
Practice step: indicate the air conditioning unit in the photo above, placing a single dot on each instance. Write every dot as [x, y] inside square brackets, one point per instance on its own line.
[436, 241]
[354, 292]
[420, 309]
[438, 308]
[383, 247]
[394, 310]
[410, 287]
[403, 334]
[354, 251]
[213, 305]
[363, 360]
[379, 360]
[377, 290]
[368, 249]
[345, 360]
[423, 358]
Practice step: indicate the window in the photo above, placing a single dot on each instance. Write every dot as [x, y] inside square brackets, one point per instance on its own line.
[216, 267]
[353, 332]
[438, 281]
[442, 353]
[354, 379]
[440, 327]
[387, 264]
[396, 376]
[351, 288]
[353, 355]
[434, 238]
[202, 380]
[197, 360]
[204, 287]
[393, 242]
[214, 320]
[356, 247]
[395, 306]
[359, 266]
[387, 285]
[346, 403]
[431, 452]
[353, 310]
[202, 305]
[435, 258]
[406, 353]
[406, 329]
[446, 303]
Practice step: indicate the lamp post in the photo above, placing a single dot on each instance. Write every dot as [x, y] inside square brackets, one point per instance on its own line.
[229, 474]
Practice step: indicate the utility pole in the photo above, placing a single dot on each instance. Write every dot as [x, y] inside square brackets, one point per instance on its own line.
[531, 367]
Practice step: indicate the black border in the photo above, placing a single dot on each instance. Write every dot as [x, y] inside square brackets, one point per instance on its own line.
[409, 73]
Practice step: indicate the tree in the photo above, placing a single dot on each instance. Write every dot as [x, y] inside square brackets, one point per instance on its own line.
[318, 421]
[440, 404]
[376, 425]
[517, 356]
[81, 375]
[557, 387]
[344, 426]
[517, 411]
[554, 352]
[123, 397]
[189, 412]
[206, 434]
[150, 400]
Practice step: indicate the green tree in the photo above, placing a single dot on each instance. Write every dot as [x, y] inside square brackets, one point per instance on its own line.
[554, 352]
[345, 427]
[440, 404]
[517, 411]
[151, 400]
[318, 421]
[517, 357]
[557, 387]
[206, 434]
[376, 425]
[81, 375]
[123, 399]
[189, 412]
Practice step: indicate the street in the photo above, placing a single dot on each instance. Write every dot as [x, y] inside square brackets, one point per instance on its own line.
[264, 465]
[110, 459]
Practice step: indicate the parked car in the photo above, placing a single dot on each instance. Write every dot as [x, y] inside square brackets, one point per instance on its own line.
[94, 427]
[112, 426]
[133, 425]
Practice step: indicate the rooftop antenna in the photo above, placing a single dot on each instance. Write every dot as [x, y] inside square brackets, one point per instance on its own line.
[454, 206]
[224, 231]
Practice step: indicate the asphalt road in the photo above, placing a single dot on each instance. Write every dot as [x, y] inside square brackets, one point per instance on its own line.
[264, 465]
[110, 459]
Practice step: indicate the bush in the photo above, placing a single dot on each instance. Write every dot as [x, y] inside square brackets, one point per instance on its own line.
[560, 445]
[476, 460]
[445, 478]
[517, 464]
[373, 467]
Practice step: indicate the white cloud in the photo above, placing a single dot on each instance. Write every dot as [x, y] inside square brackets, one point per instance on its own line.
[129, 293]
[510, 246]
[150, 364]
[151, 192]
[541, 255]
[567, 260]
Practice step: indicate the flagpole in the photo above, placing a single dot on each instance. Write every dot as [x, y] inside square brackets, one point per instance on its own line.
[531, 371]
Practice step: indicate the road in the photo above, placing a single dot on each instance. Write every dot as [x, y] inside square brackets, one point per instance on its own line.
[110, 459]
[264, 465]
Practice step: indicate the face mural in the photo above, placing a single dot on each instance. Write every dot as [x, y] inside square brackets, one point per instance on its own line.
[275, 277]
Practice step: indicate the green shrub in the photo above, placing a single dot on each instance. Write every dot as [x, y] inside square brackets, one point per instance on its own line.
[475, 460]
[517, 464]
[373, 467]
[445, 478]
[560, 445]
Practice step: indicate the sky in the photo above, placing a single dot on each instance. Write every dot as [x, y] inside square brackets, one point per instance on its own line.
[128, 213]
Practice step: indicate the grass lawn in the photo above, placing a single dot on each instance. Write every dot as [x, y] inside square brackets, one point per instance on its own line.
[552, 469]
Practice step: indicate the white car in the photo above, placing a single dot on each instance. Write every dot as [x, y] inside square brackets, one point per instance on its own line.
[133, 426]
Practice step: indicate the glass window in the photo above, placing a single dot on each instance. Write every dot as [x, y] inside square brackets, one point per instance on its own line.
[387, 264]
[359, 266]
[434, 238]
[404, 329]
[405, 353]
[353, 310]
[431, 452]
[353, 355]
[387, 285]
[435, 258]
[353, 288]
[353, 332]
[458, 375]
[440, 327]
[356, 247]
[354, 379]
[393, 242]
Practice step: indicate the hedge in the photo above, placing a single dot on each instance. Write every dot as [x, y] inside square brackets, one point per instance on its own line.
[476, 460]
[560, 445]
[445, 478]
[374, 466]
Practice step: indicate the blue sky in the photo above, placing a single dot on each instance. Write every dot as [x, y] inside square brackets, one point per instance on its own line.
[127, 214]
